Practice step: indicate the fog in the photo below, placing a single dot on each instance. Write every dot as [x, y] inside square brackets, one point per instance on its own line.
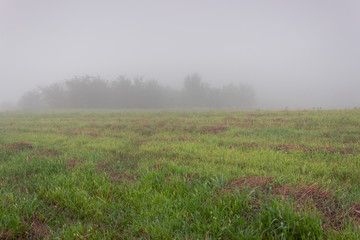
[294, 54]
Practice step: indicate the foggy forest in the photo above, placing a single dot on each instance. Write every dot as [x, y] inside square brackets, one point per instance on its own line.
[95, 92]
[295, 55]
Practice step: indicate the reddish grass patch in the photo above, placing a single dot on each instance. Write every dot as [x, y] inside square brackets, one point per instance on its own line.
[351, 140]
[185, 139]
[119, 177]
[331, 150]
[247, 145]
[230, 119]
[277, 120]
[117, 127]
[334, 214]
[19, 146]
[327, 204]
[326, 135]
[6, 235]
[190, 129]
[104, 166]
[115, 177]
[73, 163]
[311, 150]
[309, 192]
[213, 129]
[141, 141]
[157, 166]
[161, 124]
[249, 123]
[190, 177]
[251, 182]
[145, 131]
[93, 134]
[180, 139]
[290, 147]
[46, 153]
[256, 114]
[38, 229]
[355, 212]
[345, 151]
[300, 120]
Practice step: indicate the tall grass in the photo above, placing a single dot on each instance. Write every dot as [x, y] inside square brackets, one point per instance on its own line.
[180, 175]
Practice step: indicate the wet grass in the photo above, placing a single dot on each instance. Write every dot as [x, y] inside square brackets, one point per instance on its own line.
[180, 175]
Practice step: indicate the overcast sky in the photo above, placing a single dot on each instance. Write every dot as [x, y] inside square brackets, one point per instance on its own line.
[294, 53]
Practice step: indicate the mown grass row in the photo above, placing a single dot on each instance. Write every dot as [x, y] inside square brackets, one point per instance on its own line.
[165, 175]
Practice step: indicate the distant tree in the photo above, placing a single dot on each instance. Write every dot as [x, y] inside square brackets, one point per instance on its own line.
[55, 95]
[195, 92]
[88, 92]
[240, 96]
[123, 92]
[31, 101]
[154, 95]
[138, 91]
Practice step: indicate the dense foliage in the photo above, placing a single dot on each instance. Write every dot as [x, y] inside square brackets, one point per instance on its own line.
[95, 92]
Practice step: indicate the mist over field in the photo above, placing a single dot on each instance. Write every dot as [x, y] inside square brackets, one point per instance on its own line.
[291, 54]
[205, 119]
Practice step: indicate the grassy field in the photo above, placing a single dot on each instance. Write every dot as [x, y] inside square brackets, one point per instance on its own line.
[180, 175]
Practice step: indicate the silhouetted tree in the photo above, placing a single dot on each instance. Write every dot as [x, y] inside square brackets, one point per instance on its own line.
[153, 95]
[121, 92]
[195, 92]
[55, 96]
[94, 92]
[88, 92]
[31, 101]
[240, 96]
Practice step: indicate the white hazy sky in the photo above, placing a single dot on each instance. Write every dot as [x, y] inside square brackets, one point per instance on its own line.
[294, 53]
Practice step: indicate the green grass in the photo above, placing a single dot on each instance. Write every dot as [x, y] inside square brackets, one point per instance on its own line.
[180, 175]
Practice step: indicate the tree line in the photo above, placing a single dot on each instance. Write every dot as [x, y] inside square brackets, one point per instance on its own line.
[123, 92]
